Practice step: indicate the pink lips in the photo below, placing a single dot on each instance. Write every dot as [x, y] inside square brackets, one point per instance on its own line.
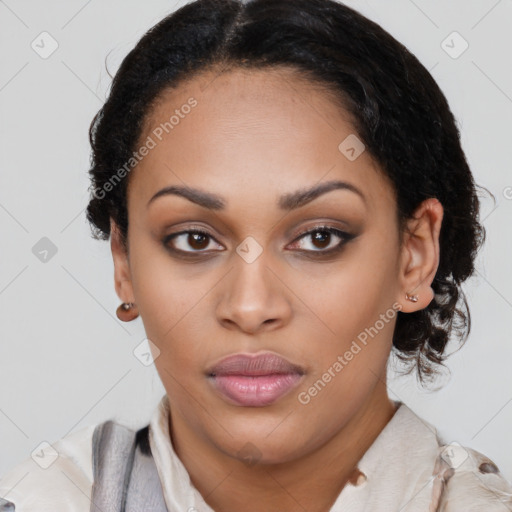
[254, 381]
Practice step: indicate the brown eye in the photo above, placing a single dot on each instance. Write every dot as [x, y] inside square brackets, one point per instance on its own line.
[197, 240]
[190, 241]
[322, 240]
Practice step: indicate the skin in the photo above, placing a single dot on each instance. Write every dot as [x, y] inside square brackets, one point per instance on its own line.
[254, 136]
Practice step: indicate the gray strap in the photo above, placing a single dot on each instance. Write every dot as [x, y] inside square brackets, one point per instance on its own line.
[125, 475]
[145, 489]
[113, 447]
[6, 506]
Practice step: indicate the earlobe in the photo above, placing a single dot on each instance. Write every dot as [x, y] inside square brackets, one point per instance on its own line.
[420, 256]
[122, 273]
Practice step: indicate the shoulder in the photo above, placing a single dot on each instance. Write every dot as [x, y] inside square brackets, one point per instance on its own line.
[439, 476]
[56, 477]
[467, 480]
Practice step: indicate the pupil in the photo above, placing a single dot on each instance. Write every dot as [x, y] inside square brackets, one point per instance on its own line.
[197, 243]
[322, 238]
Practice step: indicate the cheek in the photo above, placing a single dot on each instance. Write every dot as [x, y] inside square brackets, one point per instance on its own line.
[169, 302]
[350, 295]
[356, 305]
[349, 364]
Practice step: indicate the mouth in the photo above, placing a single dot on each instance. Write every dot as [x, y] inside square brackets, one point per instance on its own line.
[254, 381]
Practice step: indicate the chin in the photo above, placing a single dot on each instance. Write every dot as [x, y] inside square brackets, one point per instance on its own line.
[269, 443]
[256, 453]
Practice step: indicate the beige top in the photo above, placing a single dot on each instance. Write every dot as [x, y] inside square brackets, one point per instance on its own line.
[395, 473]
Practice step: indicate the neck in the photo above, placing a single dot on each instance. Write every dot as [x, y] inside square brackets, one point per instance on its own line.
[312, 482]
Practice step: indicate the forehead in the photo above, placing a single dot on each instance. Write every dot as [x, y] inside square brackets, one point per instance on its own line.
[264, 131]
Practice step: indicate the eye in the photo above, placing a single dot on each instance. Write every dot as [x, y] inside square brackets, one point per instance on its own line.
[200, 241]
[322, 239]
[197, 239]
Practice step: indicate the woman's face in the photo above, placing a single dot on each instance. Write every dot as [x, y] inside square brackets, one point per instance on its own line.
[248, 145]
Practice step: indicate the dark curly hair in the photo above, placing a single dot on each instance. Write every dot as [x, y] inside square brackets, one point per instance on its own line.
[398, 111]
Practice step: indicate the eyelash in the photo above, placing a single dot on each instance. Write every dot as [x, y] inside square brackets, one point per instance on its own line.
[345, 237]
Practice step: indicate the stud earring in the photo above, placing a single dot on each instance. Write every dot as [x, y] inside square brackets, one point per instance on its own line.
[412, 298]
[127, 311]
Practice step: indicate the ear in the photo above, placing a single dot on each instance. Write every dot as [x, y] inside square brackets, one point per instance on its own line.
[419, 255]
[122, 273]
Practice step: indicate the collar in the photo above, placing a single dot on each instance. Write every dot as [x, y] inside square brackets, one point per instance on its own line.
[395, 473]
[180, 495]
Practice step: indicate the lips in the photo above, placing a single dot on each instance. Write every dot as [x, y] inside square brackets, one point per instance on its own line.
[254, 380]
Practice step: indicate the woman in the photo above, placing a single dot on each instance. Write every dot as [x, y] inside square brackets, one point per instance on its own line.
[287, 202]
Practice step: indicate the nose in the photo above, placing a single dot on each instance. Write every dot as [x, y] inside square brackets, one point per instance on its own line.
[254, 297]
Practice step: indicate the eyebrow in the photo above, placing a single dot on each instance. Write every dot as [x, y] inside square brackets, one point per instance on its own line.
[289, 201]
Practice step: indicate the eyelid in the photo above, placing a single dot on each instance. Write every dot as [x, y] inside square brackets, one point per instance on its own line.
[343, 235]
[319, 227]
[189, 229]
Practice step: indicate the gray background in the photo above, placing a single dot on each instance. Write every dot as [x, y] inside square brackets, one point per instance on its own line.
[66, 360]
